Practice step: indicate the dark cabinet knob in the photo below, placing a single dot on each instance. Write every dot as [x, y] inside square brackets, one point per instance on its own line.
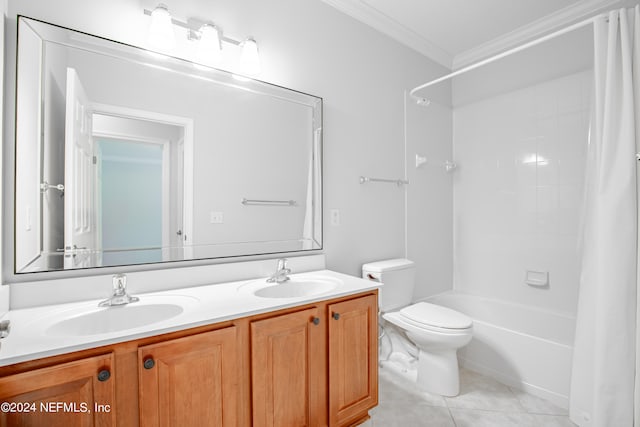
[336, 316]
[149, 363]
[104, 375]
[316, 321]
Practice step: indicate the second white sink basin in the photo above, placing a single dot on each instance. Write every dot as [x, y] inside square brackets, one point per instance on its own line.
[102, 320]
[296, 287]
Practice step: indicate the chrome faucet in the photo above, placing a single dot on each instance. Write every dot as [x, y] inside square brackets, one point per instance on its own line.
[281, 272]
[120, 295]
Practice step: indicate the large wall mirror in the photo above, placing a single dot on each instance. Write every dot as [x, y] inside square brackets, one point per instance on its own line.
[128, 157]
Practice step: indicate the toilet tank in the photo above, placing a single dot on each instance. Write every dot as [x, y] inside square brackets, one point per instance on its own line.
[398, 278]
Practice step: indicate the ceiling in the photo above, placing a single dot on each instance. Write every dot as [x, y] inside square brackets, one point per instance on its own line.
[458, 32]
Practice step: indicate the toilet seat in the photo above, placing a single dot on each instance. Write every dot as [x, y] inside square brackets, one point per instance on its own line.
[435, 317]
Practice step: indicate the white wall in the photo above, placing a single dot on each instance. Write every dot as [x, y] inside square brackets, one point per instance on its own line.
[308, 46]
[521, 148]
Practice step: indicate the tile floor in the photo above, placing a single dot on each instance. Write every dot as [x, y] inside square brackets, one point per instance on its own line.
[482, 402]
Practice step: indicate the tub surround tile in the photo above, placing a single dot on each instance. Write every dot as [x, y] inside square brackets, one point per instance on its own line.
[523, 157]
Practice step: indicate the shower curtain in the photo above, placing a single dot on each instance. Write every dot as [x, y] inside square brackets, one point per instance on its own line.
[604, 375]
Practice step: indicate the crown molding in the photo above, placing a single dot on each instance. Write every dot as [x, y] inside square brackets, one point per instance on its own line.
[554, 21]
[392, 28]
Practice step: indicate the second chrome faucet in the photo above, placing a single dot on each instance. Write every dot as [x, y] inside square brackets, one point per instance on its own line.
[281, 274]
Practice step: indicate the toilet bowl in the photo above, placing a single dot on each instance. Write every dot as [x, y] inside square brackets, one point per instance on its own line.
[438, 333]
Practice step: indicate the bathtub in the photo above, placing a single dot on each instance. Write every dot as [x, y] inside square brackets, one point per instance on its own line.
[521, 346]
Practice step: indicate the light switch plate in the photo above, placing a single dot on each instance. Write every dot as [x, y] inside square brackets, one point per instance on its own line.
[335, 217]
[216, 217]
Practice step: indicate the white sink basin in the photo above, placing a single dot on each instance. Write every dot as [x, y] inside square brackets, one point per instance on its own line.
[294, 288]
[101, 320]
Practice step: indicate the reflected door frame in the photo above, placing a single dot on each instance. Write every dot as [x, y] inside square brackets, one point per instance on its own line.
[187, 168]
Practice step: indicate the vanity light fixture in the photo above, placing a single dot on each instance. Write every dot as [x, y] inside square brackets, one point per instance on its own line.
[250, 60]
[209, 38]
[209, 50]
[161, 33]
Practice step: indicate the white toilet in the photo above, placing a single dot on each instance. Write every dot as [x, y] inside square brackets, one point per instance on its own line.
[438, 332]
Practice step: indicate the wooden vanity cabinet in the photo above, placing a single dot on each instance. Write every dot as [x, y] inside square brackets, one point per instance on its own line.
[353, 359]
[78, 393]
[287, 369]
[313, 365]
[190, 381]
[316, 367]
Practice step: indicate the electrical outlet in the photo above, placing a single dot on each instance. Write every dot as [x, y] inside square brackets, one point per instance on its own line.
[216, 217]
[335, 217]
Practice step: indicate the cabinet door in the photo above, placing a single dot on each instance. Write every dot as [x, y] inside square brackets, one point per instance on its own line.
[79, 393]
[353, 359]
[190, 381]
[286, 368]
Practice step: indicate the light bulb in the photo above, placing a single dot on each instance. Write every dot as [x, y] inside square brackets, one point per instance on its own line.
[208, 50]
[161, 33]
[250, 60]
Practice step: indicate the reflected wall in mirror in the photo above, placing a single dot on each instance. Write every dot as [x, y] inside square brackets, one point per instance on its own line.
[127, 157]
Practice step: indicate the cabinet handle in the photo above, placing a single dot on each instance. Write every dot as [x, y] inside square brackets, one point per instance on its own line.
[336, 316]
[149, 363]
[316, 321]
[104, 375]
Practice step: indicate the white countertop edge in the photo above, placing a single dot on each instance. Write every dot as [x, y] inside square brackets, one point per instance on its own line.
[351, 285]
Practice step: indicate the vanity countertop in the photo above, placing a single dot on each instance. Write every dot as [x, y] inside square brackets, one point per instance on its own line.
[32, 336]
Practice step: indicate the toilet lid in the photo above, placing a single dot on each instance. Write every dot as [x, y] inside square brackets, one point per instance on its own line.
[436, 315]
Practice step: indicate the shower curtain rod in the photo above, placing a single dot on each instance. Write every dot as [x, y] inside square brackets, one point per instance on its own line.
[502, 55]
